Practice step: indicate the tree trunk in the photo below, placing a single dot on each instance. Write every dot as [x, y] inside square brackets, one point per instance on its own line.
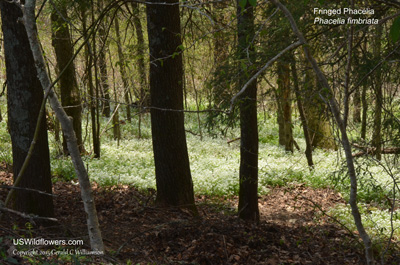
[92, 100]
[144, 99]
[103, 45]
[364, 102]
[248, 172]
[173, 177]
[319, 129]
[304, 124]
[122, 70]
[364, 111]
[285, 107]
[24, 99]
[70, 97]
[141, 50]
[357, 106]
[376, 137]
[96, 241]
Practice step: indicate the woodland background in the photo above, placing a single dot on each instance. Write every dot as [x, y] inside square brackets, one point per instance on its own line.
[197, 132]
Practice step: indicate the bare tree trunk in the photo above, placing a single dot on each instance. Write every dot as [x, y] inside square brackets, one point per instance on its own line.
[299, 100]
[173, 177]
[376, 137]
[24, 100]
[86, 192]
[248, 172]
[364, 102]
[122, 70]
[328, 95]
[92, 99]
[70, 98]
[103, 71]
[141, 50]
[285, 107]
[357, 106]
[364, 111]
[319, 128]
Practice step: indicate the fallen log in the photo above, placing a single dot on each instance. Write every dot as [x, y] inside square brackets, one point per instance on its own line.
[366, 150]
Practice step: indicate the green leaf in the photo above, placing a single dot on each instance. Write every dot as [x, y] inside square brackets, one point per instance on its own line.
[181, 47]
[243, 65]
[253, 2]
[395, 30]
[242, 3]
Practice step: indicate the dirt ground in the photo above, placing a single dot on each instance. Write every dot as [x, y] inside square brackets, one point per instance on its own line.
[292, 230]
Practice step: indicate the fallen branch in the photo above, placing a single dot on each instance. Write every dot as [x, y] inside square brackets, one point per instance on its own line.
[27, 216]
[27, 189]
[233, 140]
[366, 150]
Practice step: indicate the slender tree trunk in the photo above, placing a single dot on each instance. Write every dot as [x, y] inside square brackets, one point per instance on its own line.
[97, 91]
[92, 100]
[357, 106]
[220, 39]
[285, 107]
[141, 50]
[173, 177]
[70, 97]
[248, 172]
[122, 69]
[103, 73]
[96, 241]
[364, 102]
[299, 100]
[364, 111]
[24, 99]
[376, 137]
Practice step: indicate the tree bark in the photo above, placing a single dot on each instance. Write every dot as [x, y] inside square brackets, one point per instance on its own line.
[376, 137]
[70, 97]
[103, 45]
[248, 172]
[24, 99]
[92, 100]
[173, 177]
[141, 50]
[319, 129]
[364, 111]
[357, 106]
[285, 107]
[96, 241]
[144, 98]
[303, 118]
[122, 70]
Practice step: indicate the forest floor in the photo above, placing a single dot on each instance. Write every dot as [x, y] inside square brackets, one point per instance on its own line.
[293, 229]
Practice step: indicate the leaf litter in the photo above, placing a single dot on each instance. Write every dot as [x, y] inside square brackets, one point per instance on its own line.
[292, 229]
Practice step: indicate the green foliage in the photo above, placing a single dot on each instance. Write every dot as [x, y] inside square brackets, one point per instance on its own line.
[5, 139]
[63, 169]
[395, 30]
